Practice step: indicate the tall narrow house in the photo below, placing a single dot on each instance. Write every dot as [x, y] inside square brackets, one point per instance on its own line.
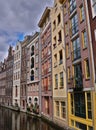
[23, 82]
[58, 66]
[79, 65]
[9, 76]
[46, 64]
[2, 81]
[33, 74]
[17, 75]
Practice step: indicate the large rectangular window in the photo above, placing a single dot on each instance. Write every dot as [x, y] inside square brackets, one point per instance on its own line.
[82, 14]
[93, 5]
[84, 39]
[78, 81]
[89, 105]
[80, 106]
[74, 25]
[57, 108]
[56, 81]
[87, 69]
[67, 50]
[59, 18]
[61, 80]
[60, 57]
[63, 109]
[72, 4]
[76, 54]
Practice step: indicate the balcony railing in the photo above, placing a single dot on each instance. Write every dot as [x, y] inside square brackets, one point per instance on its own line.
[76, 54]
[74, 29]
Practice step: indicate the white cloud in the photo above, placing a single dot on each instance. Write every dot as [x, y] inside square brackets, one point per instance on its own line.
[19, 16]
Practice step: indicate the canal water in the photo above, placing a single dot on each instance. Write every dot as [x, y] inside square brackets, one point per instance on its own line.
[11, 120]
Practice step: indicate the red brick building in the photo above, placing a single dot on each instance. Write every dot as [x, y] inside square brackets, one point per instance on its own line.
[46, 63]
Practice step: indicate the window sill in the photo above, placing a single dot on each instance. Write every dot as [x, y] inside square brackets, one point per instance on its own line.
[55, 88]
[61, 87]
[87, 79]
[84, 48]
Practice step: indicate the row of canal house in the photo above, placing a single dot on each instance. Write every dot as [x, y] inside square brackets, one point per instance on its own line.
[56, 67]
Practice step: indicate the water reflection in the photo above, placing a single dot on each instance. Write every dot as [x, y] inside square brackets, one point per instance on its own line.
[10, 120]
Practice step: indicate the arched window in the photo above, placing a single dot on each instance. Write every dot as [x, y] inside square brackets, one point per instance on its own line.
[32, 75]
[32, 50]
[32, 62]
[35, 100]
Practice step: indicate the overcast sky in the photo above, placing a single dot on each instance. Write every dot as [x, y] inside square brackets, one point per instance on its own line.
[17, 18]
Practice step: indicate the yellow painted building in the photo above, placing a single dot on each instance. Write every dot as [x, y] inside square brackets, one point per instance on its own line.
[58, 66]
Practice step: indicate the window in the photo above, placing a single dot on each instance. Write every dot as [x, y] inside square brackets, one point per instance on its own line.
[59, 18]
[60, 57]
[78, 81]
[84, 39]
[67, 50]
[16, 92]
[36, 45]
[72, 103]
[69, 74]
[59, 36]
[32, 50]
[32, 62]
[82, 14]
[36, 58]
[63, 110]
[36, 73]
[74, 25]
[76, 54]
[61, 80]
[54, 25]
[54, 45]
[32, 75]
[93, 5]
[66, 29]
[81, 126]
[57, 108]
[79, 104]
[72, 4]
[87, 69]
[90, 128]
[89, 105]
[55, 60]
[56, 81]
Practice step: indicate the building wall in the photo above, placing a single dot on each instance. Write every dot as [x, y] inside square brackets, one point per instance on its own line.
[23, 83]
[2, 82]
[33, 69]
[9, 77]
[78, 61]
[46, 64]
[58, 65]
[17, 75]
